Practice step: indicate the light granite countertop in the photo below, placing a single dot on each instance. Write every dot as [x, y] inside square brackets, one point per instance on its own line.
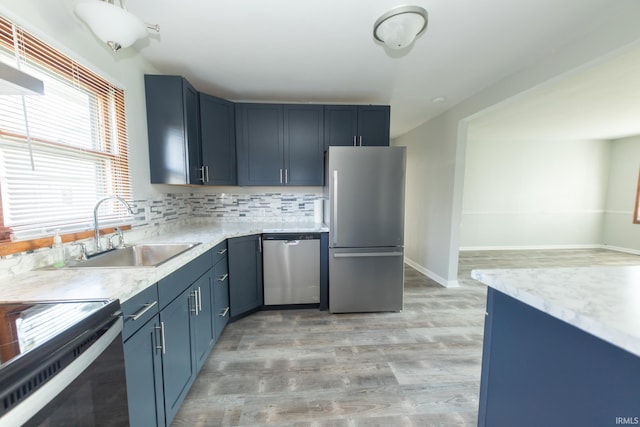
[123, 283]
[603, 301]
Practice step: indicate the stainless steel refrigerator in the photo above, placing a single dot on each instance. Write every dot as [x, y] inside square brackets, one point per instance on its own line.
[364, 209]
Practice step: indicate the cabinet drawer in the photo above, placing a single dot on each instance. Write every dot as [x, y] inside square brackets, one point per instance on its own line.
[139, 309]
[173, 285]
[219, 252]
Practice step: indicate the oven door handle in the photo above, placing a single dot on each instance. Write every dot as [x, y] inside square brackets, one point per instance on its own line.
[49, 391]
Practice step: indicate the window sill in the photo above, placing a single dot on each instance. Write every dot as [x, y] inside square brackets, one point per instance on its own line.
[9, 248]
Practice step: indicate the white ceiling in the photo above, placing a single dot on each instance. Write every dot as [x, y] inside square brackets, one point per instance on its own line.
[323, 51]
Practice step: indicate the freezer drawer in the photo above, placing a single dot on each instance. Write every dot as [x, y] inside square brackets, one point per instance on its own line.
[291, 271]
[365, 279]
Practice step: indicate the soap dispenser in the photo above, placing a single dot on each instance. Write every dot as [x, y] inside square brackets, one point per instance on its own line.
[58, 251]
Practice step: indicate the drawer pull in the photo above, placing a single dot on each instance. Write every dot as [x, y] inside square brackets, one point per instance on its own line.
[224, 313]
[222, 251]
[142, 311]
[223, 277]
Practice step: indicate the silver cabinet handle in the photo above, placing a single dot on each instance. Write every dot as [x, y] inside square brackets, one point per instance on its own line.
[334, 220]
[280, 176]
[222, 251]
[360, 140]
[260, 244]
[194, 310]
[224, 313]
[202, 174]
[199, 299]
[354, 140]
[286, 176]
[207, 170]
[142, 311]
[162, 346]
[223, 277]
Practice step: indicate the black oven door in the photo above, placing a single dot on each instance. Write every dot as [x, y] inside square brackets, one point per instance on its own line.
[78, 382]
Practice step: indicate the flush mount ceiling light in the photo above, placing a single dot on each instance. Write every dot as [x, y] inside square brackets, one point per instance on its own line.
[400, 26]
[113, 24]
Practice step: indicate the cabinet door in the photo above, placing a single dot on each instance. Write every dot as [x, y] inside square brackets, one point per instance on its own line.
[373, 125]
[218, 140]
[205, 333]
[340, 125]
[143, 365]
[177, 362]
[260, 144]
[192, 132]
[303, 144]
[245, 274]
[221, 296]
[172, 124]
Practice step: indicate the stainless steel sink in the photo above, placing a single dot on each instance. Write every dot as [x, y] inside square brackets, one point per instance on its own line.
[141, 255]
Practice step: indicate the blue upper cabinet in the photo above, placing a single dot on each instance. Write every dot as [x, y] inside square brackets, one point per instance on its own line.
[259, 138]
[303, 144]
[280, 144]
[218, 141]
[356, 125]
[373, 125]
[173, 126]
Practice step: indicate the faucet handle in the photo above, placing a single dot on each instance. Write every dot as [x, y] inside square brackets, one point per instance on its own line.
[83, 251]
[120, 236]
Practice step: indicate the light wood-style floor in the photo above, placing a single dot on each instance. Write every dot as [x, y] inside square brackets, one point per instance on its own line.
[420, 367]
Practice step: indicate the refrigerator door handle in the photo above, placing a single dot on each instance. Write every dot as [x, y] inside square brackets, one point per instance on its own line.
[334, 222]
[366, 254]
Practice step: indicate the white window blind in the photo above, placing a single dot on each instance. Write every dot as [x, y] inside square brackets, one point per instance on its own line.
[61, 152]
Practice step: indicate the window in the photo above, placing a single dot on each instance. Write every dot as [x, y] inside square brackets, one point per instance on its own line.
[61, 152]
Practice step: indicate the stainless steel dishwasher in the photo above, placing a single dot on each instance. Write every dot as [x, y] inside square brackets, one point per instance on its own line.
[291, 265]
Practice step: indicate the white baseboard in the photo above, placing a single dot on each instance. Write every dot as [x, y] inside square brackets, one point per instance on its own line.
[620, 249]
[529, 247]
[431, 275]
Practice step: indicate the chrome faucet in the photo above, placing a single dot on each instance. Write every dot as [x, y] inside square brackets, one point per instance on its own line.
[96, 228]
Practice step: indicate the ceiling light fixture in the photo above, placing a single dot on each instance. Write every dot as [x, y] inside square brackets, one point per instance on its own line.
[113, 24]
[400, 26]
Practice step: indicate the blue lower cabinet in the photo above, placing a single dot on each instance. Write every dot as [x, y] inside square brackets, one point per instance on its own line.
[541, 371]
[205, 332]
[143, 364]
[245, 272]
[178, 361]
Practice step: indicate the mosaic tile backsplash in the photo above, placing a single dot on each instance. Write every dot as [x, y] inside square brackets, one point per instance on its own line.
[225, 207]
[173, 209]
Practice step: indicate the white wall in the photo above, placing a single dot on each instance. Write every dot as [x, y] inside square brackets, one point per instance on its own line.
[434, 214]
[55, 23]
[619, 229]
[534, 194]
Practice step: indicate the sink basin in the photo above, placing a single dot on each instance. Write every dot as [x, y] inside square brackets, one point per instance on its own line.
[141, 255]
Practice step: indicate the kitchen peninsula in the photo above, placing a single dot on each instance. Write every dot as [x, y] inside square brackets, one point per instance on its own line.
[561, 347]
